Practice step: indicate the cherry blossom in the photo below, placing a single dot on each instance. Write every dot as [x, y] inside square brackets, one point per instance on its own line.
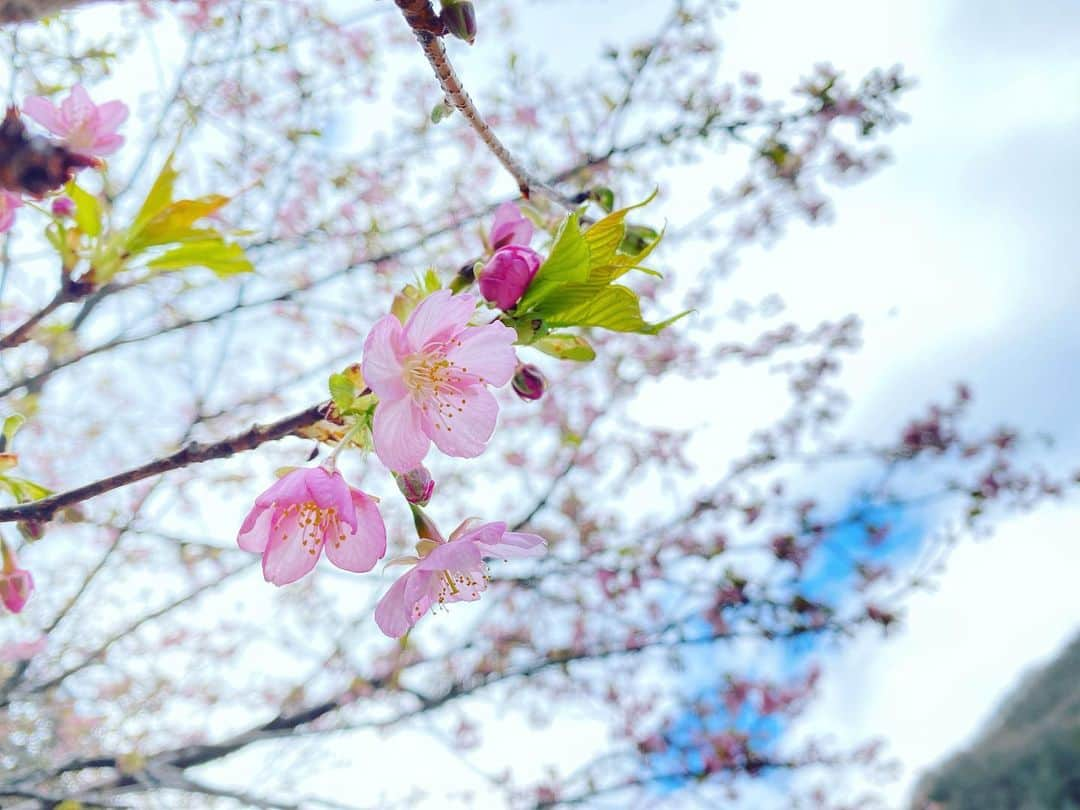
[510, 227]
[506, 277]
[450, 571]
[305, 512]
[431, 377]
[87, 128]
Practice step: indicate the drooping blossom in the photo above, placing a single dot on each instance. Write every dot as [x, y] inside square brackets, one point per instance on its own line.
[416, 485]
[16, 584]
[87, 128]
[507, 275]
[510, 227]
[308, 511]
[8, 203]
[450, 571]
[431, 377]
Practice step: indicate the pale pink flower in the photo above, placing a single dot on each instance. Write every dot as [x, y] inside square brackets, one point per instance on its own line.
[16, 584]
[87, 128]
[22, 650]
[305, 512]
[508, 274]
[431, 377]
[8, 203]
[451, 571]
[510, 227]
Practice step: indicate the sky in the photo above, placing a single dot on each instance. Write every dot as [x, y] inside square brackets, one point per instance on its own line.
[962, 258]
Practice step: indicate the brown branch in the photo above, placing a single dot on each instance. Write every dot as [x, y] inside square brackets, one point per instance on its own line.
[428, 29]
[191, 453]
[19, 11]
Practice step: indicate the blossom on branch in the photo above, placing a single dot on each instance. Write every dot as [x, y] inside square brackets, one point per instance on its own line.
[508, 274]
[431, 377]
[305, 512]
[87, 128]
[449, 571]
[16, 584]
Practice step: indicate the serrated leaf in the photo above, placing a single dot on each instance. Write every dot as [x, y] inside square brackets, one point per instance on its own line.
[223, 258]
[87, 209]
[613, 307]
[605, 237]
[566, 347]
[173, 223]
[567, 263]
[160, 195]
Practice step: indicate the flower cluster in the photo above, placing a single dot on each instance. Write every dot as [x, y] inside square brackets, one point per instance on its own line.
[430, 372]
[85, 131]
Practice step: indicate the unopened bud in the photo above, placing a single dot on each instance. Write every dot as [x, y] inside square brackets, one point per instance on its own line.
[416, 485]
[63, 207]
[459, 17]
[528, 382]
[425, 526]
[31, 529]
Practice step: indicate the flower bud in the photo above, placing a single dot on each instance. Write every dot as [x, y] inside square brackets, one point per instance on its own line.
[506, 277]
[425, 526]
[16, 584]
[63, 207]
[510, 227]
[528, 382]
[416, 485]
[459, 16]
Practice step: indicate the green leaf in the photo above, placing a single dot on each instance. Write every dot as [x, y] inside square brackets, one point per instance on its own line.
[566, 347]
[606, 236]
[223, 258]
[342, 391]
[613, 307]
[173, 223]
[23, 489]
[87, 209]
[441, 112]
[11, 427]
[568, 262]
[160, 195]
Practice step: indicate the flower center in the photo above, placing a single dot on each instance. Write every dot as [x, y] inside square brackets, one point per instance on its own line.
[436, 384]
[313, 526]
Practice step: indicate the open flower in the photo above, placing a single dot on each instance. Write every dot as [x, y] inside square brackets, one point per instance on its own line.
[8, 203]
[431, 377]
[305, 512]
[510, 227]
[508, 274]
[87, 128]
[451, 571]
[16, 584]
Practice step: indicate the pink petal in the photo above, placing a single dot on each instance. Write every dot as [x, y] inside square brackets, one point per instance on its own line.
[510, 227]
[407, 600]
[438, 317]
[400, 442]
[289, 489]
[486, 352]
[77, 109]
[383, 350]
[457, 555]
[111, 114]
[366, 545]
[255, 531]
[45, 113]
[467, 432]
[329, 490]
[288, 555]
[516, 545]
[106, 144]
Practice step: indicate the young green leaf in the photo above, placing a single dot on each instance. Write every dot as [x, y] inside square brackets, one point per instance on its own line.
[566, 347]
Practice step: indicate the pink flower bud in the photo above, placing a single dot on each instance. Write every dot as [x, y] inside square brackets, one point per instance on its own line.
[510, 227]
[459, 16]
[63, 207]
[505, 278]
[416, 485]
[528, 382]
[16, 584]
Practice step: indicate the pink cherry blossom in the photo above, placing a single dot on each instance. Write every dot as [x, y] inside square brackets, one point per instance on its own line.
[431, 377]
[510, 227]
[305, 512]
[16, 651]
[16, 584]
[507, 275]
[8, 203]
[87, 128]
[451, 571]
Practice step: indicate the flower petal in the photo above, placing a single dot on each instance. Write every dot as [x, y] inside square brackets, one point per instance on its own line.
[366, 544]
[516, 544]
[255, 531]
[44, 112]
[407, 600]
[111, 114]
[465, 433]
[486, 352]
[400, 442]
[383, 350]
[457, 555]
[438, 318]
[288, 554]
[329, 490]
[289, 489]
